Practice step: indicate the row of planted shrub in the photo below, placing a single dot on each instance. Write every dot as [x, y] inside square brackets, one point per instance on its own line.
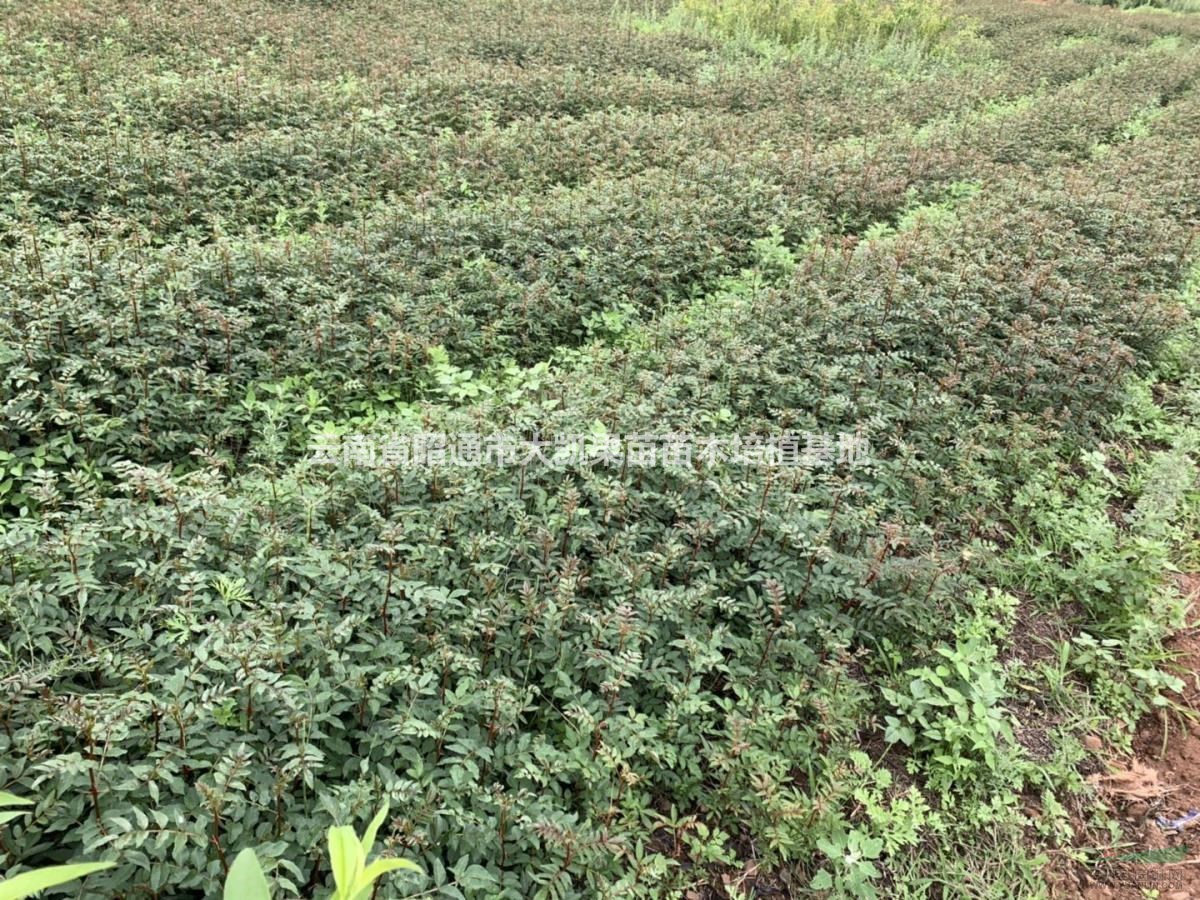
[491, 277]
[106, 131]
[528, 662]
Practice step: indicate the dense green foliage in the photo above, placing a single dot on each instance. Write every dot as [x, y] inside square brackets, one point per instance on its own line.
[229, 226]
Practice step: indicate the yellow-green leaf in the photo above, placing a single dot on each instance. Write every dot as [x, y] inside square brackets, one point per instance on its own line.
[368, 838]
[246, 880]
[346, 858]
[378, 869]
[390, 864]
[29, 883]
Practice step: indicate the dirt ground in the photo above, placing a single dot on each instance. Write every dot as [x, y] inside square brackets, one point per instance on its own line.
[1161, 782]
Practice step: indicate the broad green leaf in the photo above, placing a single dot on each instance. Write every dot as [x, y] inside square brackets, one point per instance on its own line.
[382, 866]
[346, 858]
[872, 847]
[477, 878]
[7, 799]
[29, 883]
[377, 869]
[246, 880]
[8, 815]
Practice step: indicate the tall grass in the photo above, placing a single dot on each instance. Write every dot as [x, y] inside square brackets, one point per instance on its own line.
[1179, 6]
[824, 24]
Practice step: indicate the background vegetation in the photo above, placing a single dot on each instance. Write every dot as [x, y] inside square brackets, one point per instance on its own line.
[229, 226]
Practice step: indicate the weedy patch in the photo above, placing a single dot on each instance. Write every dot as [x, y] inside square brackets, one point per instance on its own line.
[821, 24]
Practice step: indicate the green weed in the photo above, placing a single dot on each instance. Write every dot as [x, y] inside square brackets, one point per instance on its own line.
[821, 24]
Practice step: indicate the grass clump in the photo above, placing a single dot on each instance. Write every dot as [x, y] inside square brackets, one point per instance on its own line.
[822, 24]
[1176, 6]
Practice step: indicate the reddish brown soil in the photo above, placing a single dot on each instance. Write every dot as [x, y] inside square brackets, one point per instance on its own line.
[1162, 780]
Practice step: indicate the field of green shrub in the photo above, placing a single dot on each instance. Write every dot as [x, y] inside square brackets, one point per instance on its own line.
[229, 228]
